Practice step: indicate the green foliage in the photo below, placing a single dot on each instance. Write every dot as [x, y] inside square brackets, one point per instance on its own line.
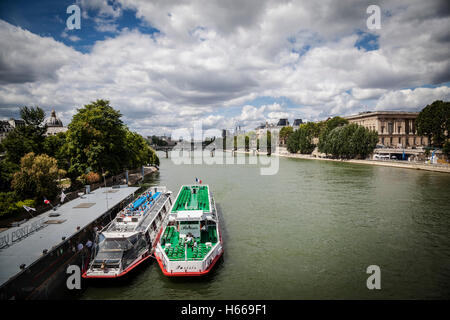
[159, 142]
[55, 147]
[434, 121]
[349, 141]
[247, 143]
[235, 142]
[285, 132]
[9, 204]
[292, 142]
[325, 129]
[301, 140]
[96, 139]
[37, 177]
[7, 170]
[139, 152]
[27, 138]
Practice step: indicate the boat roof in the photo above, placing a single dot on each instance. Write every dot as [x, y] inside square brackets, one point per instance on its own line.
[193, 198]
[137, 215]
[76, 213]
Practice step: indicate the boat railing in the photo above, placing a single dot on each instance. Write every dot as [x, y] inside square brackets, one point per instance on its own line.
[211, 254]
[162, 199]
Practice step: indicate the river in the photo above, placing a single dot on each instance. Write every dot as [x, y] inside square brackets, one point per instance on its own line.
[310, 232]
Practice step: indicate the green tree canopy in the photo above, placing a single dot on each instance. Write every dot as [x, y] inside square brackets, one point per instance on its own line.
[434, 121]
[139, 151]
[302, 138]
[27, 138]
[285, 132]
[55, 147]
[37, 177]
[326, 127]
[96, 139]
[349, 141]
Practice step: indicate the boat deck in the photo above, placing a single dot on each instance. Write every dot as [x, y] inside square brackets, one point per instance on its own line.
[187, 200]
[177, 249]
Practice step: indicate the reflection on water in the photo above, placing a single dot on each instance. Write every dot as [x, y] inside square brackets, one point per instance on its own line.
[310, 231]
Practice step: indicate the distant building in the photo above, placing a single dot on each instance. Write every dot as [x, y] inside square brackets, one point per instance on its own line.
[16, 122]
[5, 128]
[54, 125]
[283, 123]
[396, 129]
[161, 140]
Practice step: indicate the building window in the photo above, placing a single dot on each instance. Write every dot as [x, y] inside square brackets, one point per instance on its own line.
[382, 129]
[390, 127]
[399, 129]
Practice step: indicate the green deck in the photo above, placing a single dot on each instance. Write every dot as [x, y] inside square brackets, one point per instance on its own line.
[187, 200]
[176, 251]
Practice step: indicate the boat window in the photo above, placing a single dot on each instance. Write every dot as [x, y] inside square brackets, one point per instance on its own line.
[115, 245]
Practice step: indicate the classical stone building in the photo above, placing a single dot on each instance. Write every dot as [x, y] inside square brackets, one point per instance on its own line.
[54, 125]
[6, 126]
[395, 129]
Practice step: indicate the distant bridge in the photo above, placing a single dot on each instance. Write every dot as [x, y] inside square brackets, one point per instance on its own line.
[166, 149]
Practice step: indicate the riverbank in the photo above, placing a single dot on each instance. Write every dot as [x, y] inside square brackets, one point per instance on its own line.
[385, 163]
[134, 176]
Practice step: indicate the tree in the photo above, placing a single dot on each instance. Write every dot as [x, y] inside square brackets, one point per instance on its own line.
[27, 138]
[305, 135]
[139, 151]
[301, 140]
[96, 140]
[349, 141]
[434, 121]
[55, 147]
[247, 143]
[285, 132]
[7, 170]
[37, 177]
[326, 127]
[292, 142]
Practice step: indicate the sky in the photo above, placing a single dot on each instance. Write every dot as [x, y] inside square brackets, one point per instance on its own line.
[166, 64]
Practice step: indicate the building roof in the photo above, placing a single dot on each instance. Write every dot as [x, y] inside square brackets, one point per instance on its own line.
[382, 113]
[283, 123]
[76, 213]
[53, 121]
[5, 126]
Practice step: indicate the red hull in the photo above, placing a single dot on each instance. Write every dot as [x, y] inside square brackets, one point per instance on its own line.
[124, 272]
[188, 274]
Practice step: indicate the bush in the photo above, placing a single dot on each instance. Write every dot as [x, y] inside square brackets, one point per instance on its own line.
[9, 204]
[37, 177]
[90, 178]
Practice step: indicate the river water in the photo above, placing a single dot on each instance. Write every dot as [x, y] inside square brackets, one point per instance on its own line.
[310, 232]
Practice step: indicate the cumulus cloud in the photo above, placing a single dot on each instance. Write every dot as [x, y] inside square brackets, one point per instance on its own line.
[212, 56]
[413, 100]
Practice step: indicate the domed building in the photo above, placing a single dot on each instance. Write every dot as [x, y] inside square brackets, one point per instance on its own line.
[54, 124]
